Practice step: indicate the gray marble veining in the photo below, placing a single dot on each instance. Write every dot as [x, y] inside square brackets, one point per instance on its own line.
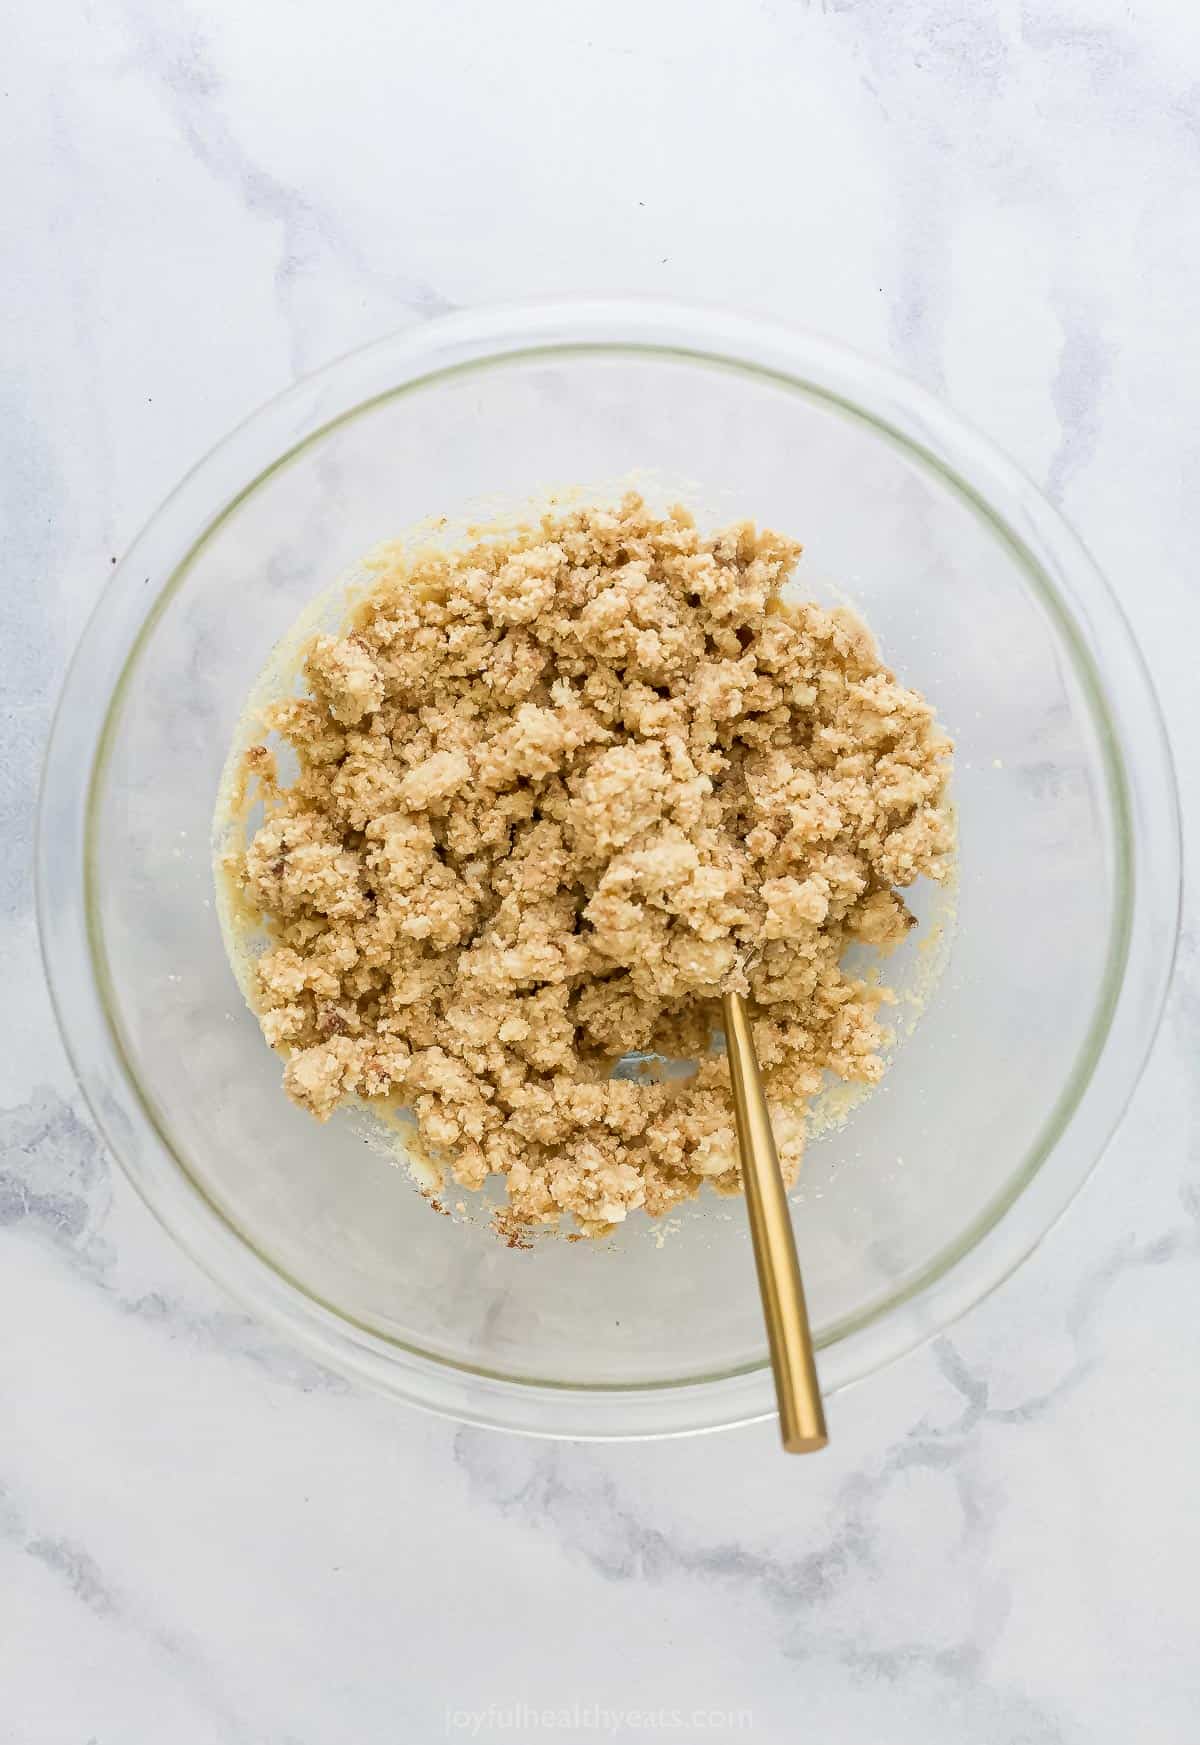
[200, 1530]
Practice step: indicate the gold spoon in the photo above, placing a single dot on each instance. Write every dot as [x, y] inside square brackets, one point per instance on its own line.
[801, 1413]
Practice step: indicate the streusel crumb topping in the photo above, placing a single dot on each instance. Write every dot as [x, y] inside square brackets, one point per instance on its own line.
[555, 791]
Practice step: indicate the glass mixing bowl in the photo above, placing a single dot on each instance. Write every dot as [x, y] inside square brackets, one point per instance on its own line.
[997, 1105]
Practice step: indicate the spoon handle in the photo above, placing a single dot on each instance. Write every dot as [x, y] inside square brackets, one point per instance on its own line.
[801, 1414]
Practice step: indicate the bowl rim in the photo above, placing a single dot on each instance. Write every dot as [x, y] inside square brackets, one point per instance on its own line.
[1107, 662]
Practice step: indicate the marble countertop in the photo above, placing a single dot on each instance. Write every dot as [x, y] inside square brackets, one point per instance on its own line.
[201, 1538]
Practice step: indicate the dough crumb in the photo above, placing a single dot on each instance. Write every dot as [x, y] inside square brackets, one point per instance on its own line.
[554, 790]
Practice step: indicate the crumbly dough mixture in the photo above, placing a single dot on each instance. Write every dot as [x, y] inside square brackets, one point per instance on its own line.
[554, 792]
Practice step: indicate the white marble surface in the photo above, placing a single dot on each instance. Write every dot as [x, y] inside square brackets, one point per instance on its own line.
[202, 1539]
